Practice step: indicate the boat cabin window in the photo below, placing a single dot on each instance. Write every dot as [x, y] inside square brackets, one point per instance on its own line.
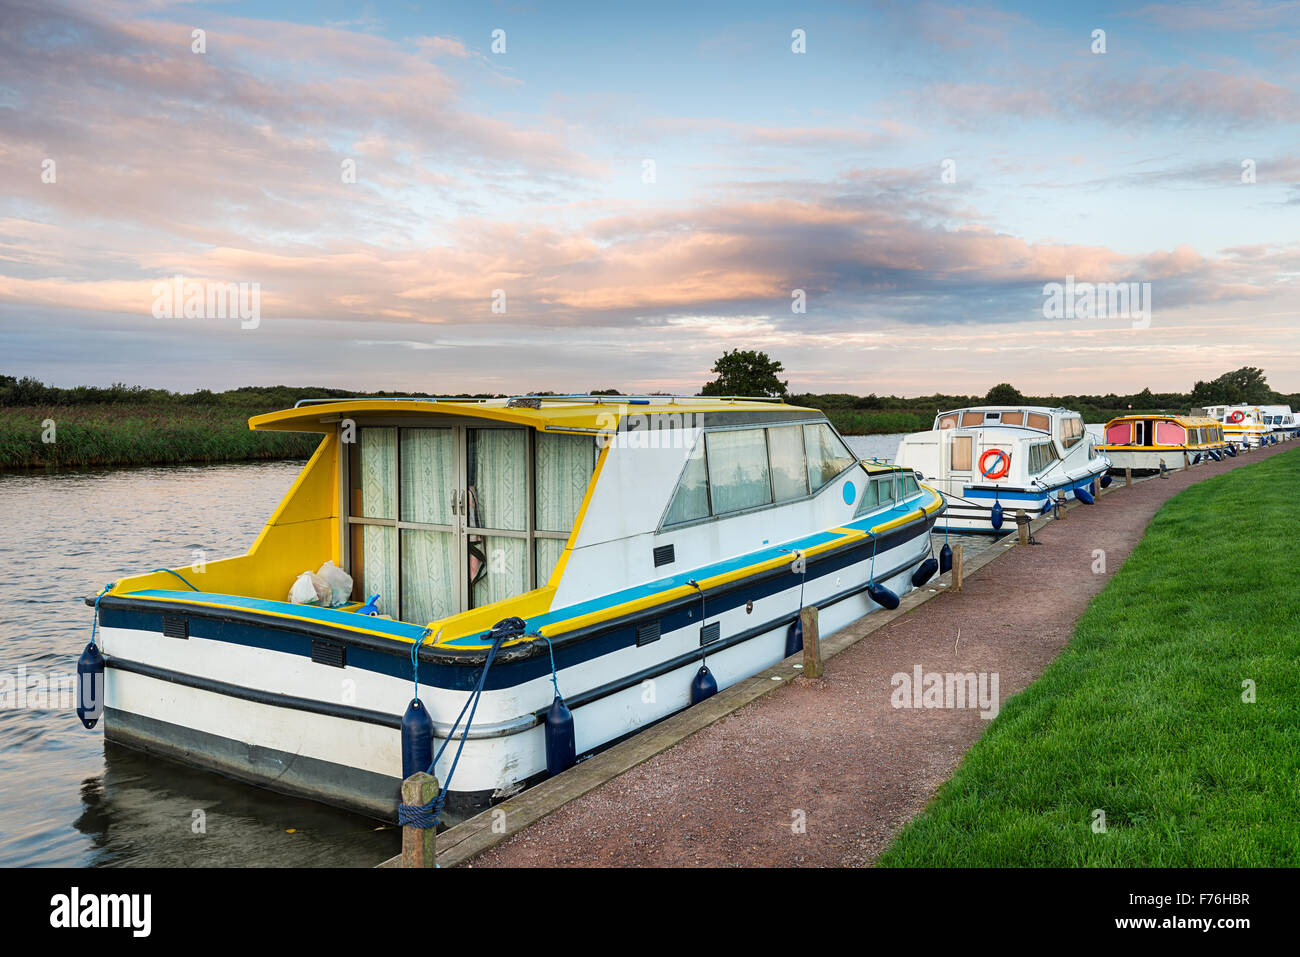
[1170, 433]
[971, 419]
[1039, 420]
[884, 491]
[948, 421]
[732, 470]
[960, 453]
[785, 454]
[1013, 418]
[870, 499]
[445, 519]
[1041, 455]
[1071, 432]
[738, 472]
[828, 456]
[1119, 433]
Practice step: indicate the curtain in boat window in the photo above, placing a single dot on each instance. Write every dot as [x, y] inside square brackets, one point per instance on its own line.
[427, 457]
[1170, 433]
[379, 561]
[506, 572]
[498, 478]
[498, 467]
[738, 475]
[827, 455]
[961, 453]
[378, 473]
[564, 465]
[428, 569]
[1119, 433]
[377, 451]
[789, 476]
[428, 575]
[691, 500]
[548, 556]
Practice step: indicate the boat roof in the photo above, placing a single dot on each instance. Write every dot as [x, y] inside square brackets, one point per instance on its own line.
[578, 413]
[1045, 410]
[1195, 421]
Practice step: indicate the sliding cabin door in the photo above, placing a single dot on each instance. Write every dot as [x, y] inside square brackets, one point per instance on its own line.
[441, 520]
[495, 516]
[405, 531]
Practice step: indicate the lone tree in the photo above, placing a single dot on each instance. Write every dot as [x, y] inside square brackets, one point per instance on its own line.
[1247, 385]
[1004, 393]
[746, 373]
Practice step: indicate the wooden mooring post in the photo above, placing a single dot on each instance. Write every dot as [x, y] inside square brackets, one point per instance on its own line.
[1022, 525]
[1128, 477]
[419, 844]
[956, 568]
[812, 646]
[1060, 507]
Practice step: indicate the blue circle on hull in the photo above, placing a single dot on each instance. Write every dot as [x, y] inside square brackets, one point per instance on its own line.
[850, 493]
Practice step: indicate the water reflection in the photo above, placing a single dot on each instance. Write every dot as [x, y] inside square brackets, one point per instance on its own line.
[147, 810]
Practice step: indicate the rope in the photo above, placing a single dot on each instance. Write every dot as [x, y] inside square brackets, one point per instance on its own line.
[94, 624]
[427, 815]
[415, 661]
[170, 572]
[554, 681]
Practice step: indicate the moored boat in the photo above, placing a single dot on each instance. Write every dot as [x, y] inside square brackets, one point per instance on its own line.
[629, 553]
[1243, 425]
[1282, 422]
[990, 461]
[1152, 443]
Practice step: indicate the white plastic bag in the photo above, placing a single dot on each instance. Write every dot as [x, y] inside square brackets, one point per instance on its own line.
[340, 583]
[310, 589]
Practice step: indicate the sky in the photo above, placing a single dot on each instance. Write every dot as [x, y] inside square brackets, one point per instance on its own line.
[514, 197]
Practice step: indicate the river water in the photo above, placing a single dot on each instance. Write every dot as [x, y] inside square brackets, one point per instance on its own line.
[67, 797]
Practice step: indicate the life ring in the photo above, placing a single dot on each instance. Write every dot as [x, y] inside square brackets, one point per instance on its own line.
[1237, 416]
[1005, 458]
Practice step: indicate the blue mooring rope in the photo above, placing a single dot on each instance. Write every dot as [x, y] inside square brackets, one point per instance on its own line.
[170, 572]
[554, 679]
[427, 815]
[875, 540]
[94, 624]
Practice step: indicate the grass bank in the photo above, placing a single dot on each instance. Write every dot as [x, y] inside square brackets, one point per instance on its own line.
[124, 434]
[1142, 716]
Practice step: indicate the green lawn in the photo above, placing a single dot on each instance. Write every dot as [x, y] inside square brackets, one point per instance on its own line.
[1142, 714]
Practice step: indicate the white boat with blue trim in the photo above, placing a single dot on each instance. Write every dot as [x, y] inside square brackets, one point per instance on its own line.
[630, 554]
[989, 461]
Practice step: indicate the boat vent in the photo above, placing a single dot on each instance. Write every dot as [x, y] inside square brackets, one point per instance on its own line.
[710, 633]
[664, 555]
[328, 653]
[175, 627]
[647, 632]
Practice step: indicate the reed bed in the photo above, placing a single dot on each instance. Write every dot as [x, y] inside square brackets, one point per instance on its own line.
[102, 435]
